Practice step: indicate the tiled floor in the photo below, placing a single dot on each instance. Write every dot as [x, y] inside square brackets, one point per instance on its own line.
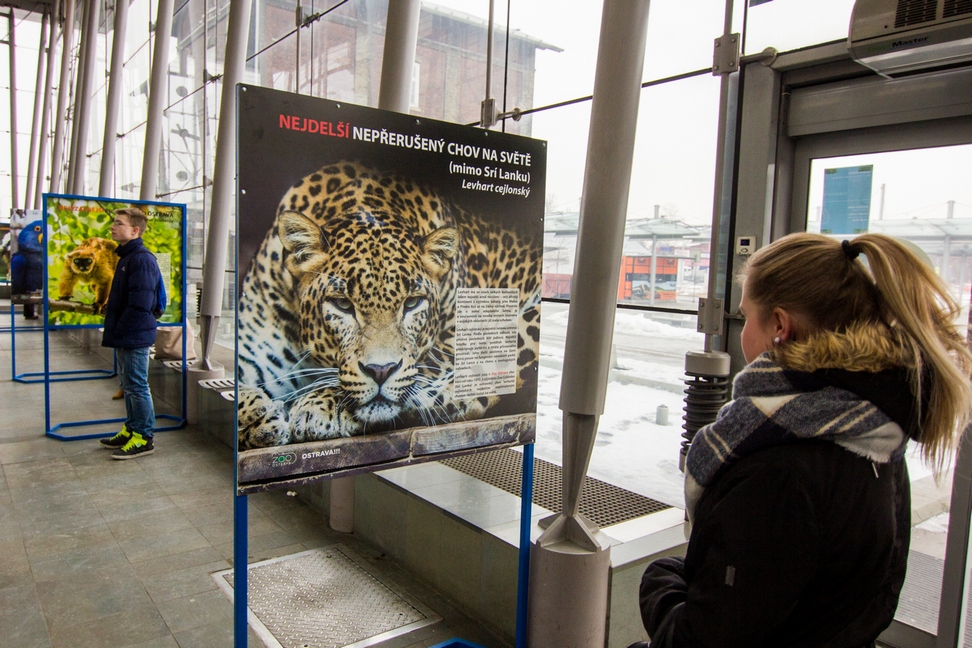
[109, 554]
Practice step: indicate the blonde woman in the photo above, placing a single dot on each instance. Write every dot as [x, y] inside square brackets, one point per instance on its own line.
[799, 492]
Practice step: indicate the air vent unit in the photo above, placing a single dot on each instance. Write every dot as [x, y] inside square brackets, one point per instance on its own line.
[899, 36]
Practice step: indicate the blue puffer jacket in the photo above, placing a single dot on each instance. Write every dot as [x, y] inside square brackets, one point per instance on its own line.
[129, 322]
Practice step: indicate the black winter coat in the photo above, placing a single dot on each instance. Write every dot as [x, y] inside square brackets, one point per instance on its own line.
[798, 545]
[129, 322]
[803, 545]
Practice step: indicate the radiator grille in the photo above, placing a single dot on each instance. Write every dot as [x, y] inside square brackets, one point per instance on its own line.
[914, 12]
[954, 8]
[603, 503]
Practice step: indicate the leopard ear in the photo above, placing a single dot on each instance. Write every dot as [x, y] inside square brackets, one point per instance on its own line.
[438, 250]
[302, 238]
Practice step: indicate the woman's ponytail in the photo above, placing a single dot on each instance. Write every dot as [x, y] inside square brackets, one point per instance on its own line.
[921, 311]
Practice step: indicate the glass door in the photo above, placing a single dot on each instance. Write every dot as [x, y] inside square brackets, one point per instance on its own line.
[923, 197]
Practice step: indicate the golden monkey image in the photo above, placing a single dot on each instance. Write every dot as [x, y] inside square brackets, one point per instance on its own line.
[93, 263]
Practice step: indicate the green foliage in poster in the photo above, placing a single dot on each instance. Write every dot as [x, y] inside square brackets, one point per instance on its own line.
[71, 221]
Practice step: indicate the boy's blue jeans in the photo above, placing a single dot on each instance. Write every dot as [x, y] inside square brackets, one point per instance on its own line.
[133, 369]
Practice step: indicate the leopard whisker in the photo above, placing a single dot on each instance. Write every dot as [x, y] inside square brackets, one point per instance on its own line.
[300, 373]
[445, 355]
[323, 383]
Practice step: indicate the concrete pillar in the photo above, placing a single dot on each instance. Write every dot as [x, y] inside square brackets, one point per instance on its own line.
[82, 114]
[221, 212]
[224, 186]
[107, 177]
[63, 94]
[14, 172]
[570, 561]
[158, 87]
[45, 122]
[38, 105]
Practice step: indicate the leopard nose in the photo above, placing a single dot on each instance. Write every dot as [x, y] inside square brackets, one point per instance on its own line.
[380, 373]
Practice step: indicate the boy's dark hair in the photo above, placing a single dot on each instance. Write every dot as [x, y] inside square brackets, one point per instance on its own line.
[136, 218]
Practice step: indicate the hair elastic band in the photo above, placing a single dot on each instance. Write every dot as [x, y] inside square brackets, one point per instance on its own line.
[848, 252]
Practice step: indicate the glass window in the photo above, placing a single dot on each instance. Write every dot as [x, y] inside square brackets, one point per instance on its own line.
[922, 196]
[128, 163]
[794, 24]
[681, 36]
[670, 200]
[27, 37]
[135, 91]
[187, 54]
[564, 37]
[636, 446]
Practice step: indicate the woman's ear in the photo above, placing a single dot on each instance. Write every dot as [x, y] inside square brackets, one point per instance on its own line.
[784, 326]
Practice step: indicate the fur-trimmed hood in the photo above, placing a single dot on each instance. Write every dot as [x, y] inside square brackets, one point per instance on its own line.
[869, 348]
[867, 360]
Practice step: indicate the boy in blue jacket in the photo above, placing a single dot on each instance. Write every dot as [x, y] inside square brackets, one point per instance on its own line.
[130, 328]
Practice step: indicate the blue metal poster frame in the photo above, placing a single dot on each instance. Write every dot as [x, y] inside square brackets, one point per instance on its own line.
[29, 377]
[52, 431]
[265, 105]
[241, 550]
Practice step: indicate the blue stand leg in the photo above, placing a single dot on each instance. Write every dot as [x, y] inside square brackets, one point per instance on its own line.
[239, 571]
[526, 523]
[13, 341]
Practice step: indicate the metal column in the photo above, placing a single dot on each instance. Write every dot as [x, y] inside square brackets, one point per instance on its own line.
[79, 69]
[224, 183]
[82, 114]
[14, 173]
[38, 104]
[398, 59]
[197, 16]
[569, 562]
[45, 122]
[709, 369]
[394, 93]
[115, 84]
[63, 94]
[157, 94]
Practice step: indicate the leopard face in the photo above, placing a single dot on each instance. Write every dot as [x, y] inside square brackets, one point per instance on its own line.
[347, 319]
[370, 304]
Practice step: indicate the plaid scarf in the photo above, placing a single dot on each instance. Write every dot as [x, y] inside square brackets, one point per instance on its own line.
[772, 405]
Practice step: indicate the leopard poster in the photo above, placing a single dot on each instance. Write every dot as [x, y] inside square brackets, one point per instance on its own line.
[389, 306]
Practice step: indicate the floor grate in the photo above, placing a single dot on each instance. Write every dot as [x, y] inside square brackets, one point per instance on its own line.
[603, 503]
[920, 596]
[323, 598]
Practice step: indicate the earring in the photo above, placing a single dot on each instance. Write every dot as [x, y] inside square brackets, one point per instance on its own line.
[776, 341]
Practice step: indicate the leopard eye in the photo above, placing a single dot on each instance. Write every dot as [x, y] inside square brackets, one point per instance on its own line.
[411, 303]
[343, 304]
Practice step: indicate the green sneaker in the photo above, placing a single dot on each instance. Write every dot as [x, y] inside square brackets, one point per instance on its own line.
[137, 446]
[118, 440]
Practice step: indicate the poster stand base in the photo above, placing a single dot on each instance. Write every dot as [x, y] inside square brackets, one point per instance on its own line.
[180, 423]
[40, 376]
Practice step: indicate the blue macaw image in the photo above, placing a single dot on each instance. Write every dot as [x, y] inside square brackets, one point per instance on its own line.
[27, 264]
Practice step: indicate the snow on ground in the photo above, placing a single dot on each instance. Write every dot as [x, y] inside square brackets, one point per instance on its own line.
[631, 450]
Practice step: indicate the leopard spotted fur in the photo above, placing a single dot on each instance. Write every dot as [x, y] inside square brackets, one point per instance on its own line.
[347, 317]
